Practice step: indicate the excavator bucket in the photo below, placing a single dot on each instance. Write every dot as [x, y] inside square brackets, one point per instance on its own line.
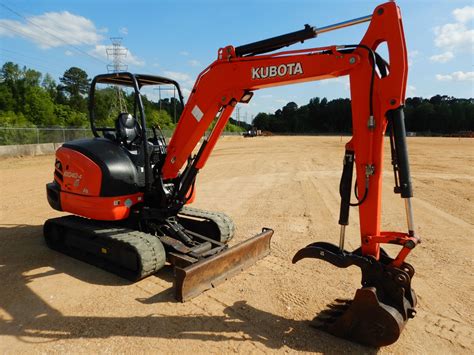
[380, 309]
[192, 280]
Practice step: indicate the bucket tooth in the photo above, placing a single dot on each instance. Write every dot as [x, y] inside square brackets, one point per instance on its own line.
[368, 321]
[193, 280]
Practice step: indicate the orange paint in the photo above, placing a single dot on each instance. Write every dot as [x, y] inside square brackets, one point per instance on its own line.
[100, 208]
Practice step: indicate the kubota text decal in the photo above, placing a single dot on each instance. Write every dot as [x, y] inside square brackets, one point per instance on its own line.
[280, 70]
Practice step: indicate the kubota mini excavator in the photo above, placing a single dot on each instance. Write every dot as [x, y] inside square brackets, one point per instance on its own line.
[131, 191]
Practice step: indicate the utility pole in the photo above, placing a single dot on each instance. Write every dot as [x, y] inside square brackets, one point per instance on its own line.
[237, 111]
[116, 53]
[160, 89]
[174, 101]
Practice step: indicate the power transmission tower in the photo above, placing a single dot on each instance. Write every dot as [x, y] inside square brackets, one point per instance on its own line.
[116, 53]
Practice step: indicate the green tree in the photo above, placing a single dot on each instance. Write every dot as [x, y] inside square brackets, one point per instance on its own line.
[262, 121]
[39, 108]
[10, 73]
[7, 101]
[50, 86]
[159, 118]
[75, 83]
[31, 77]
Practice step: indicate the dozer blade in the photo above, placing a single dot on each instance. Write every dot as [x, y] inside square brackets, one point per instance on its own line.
[380, 309]
[207, 273]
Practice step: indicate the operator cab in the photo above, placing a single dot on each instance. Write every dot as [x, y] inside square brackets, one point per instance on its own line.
[128, 109]
[119, 103]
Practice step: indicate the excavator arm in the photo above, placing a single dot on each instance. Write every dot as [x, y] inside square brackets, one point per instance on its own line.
[386, 301]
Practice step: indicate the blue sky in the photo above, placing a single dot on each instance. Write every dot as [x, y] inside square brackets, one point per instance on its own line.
[180, 38]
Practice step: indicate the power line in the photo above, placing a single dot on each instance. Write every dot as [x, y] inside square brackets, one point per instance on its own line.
[28, 63]
[28, 56]
[49, 33]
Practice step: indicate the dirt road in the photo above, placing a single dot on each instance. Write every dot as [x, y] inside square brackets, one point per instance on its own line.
[52, 303]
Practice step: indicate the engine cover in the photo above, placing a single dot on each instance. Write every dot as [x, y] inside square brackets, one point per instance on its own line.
[95, 178]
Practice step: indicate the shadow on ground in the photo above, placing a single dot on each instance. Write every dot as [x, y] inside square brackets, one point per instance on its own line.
[22, 249]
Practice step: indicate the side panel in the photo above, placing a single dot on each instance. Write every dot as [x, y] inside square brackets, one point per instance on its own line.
[100, 208]
[80, 174]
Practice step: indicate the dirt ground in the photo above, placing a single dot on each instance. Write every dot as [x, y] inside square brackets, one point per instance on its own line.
[52, 303]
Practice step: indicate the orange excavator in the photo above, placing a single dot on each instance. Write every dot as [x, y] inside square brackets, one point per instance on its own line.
[129, 190]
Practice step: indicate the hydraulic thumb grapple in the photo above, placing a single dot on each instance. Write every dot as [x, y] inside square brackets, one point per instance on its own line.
[131, 189]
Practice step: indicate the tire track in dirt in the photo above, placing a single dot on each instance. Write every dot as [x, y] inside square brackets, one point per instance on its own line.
[457, 333]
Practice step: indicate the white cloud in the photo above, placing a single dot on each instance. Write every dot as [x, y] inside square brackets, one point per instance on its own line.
[266, 96]
[339, 80]
[442, 77]
[100, 51]
[194, 63]
[411, 90]
[412, 56]
[458, 35]
[454, 36]
[184, 53]
[186, 92]
[68, 53]
[178, 76]
[456, 76]
[465, 14]
[134, 60]
[124, 31]
[443, 57]
[53, 29]
[184, 80]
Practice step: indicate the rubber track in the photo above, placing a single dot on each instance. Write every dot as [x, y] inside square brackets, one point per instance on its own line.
[224, 222]
[147, 248]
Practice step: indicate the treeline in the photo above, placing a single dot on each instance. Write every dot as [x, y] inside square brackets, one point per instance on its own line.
[30, 99]
[437, 115]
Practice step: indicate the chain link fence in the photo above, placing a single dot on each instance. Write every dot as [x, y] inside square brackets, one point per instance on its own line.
[19, 136]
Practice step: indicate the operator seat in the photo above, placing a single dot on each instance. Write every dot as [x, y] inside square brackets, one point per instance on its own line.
[128, 130]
